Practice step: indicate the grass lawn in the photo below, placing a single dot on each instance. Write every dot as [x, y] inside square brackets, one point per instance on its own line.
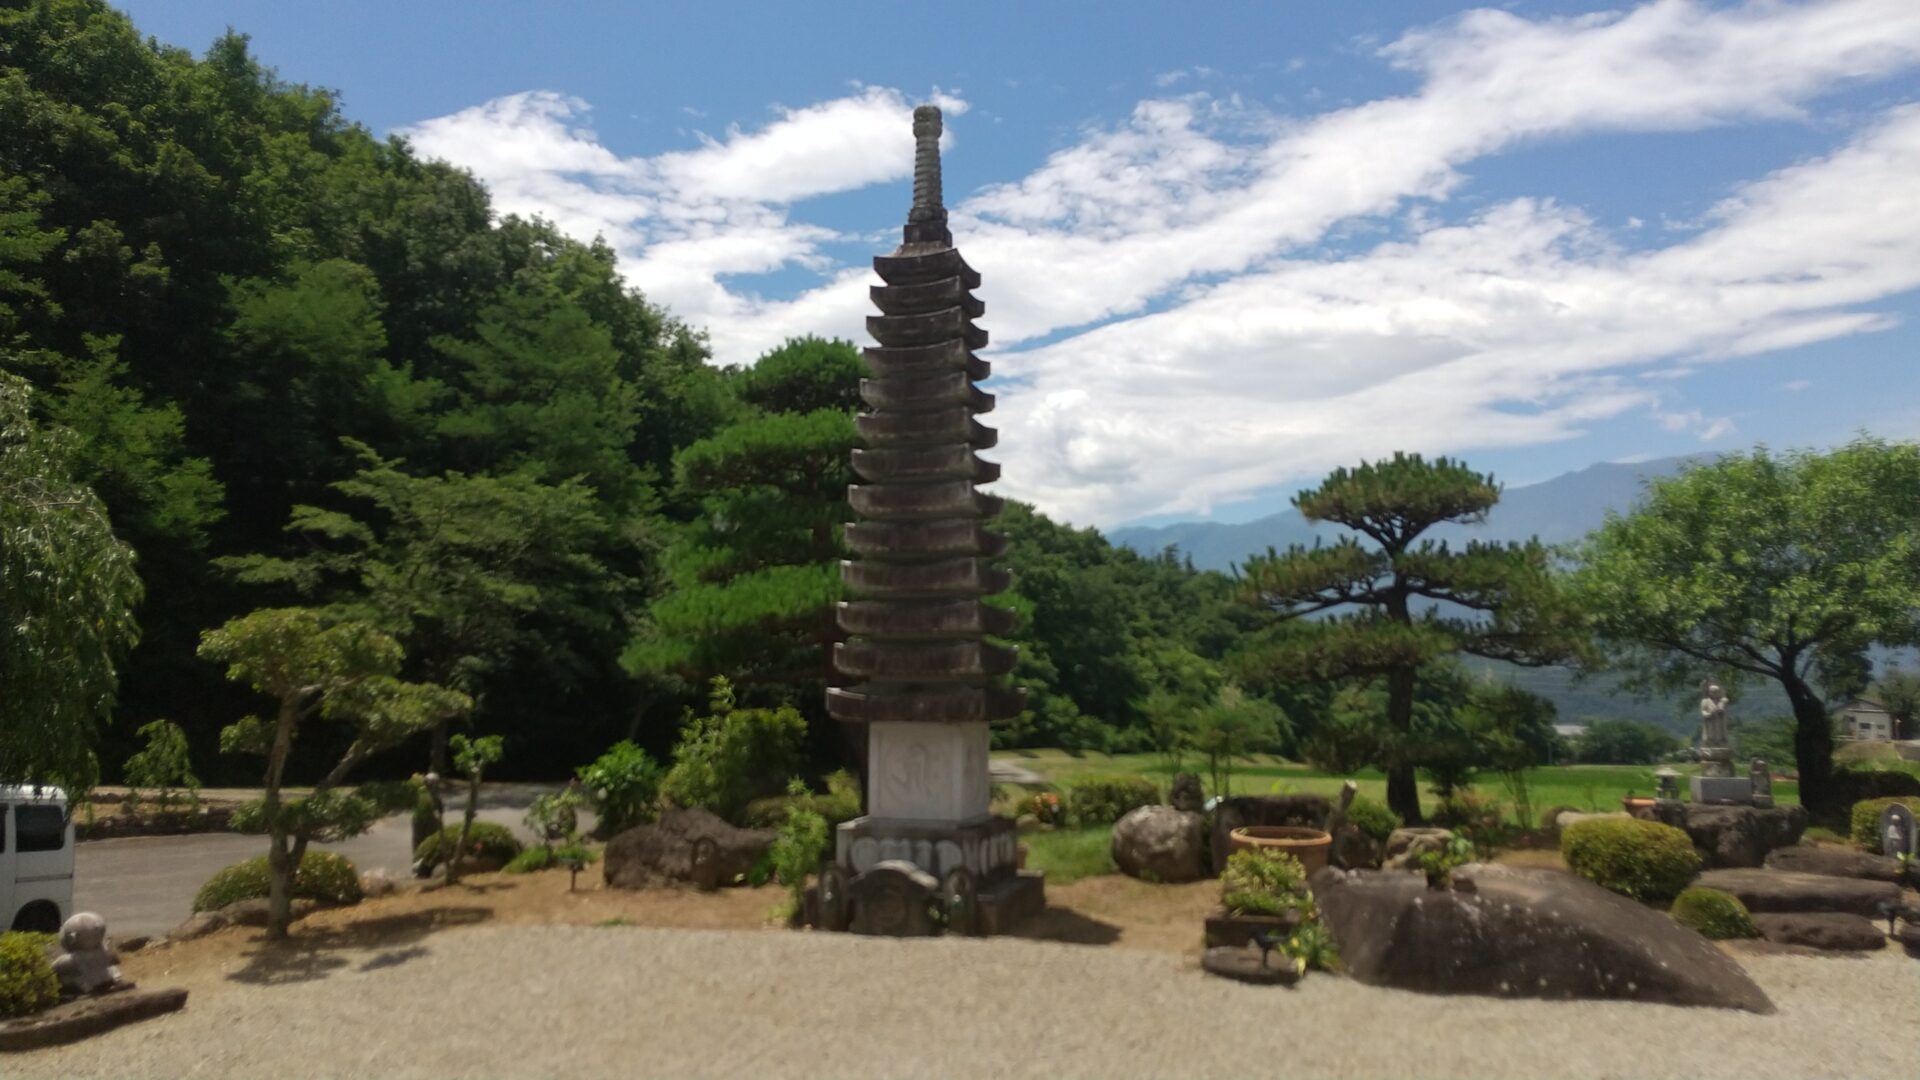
[1584, 787]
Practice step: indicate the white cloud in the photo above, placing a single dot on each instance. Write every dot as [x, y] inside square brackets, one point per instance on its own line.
[1261, 362]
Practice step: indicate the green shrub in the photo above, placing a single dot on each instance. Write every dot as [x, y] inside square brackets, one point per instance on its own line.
[840, 803]
[322, 876]
[555, 814]
[1258, 882]
[540, 858]
[1715, 914]
[26, 975]
[1103, 800]
[1642, 859]
[1372, 818]
[163, 766]
[1865, 820]
[486, 841]
[622, 785]
[732, 756]
[799, 845]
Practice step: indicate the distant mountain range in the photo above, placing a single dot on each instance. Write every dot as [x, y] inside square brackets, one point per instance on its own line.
[1558, 510]
[1564, 508]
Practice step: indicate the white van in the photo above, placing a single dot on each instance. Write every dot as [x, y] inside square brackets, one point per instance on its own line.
[36, 858]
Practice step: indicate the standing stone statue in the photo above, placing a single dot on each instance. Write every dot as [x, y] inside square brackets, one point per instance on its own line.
[1762, 779]
[1716, 754]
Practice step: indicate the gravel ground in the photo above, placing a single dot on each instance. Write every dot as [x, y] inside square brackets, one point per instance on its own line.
[573, 1002]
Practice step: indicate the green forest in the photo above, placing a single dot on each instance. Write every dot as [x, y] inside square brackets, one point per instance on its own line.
[257, 360]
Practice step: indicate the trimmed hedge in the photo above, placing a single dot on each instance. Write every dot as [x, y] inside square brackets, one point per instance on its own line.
[1642, 859]
[1372, 818]
[486, 840]
[27, 984]
[1103, 800]
[322, 876]
[1712, 913]
[540, 858]
[1865, 819]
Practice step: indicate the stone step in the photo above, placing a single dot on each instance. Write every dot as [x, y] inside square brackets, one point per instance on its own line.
[1836, 862]
[951, 425]
[1787, 891]
[1821, 930]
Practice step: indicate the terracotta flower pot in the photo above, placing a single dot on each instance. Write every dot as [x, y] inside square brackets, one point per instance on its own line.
[1310, 846]
[1639, 806]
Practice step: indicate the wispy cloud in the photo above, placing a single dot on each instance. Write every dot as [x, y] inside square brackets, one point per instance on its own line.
[1198, 346]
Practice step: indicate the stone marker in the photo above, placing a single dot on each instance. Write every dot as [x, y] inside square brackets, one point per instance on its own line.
[925, 681]
[1896, 831]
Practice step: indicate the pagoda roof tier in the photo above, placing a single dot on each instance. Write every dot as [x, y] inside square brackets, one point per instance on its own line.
[897, 620]
[922, 501]
[926, 328]
[923, 540]
[931, 296]
[938, 705]
[903, 465]
[926, 395]
[929, 662]
[944, 579]
[952, 425]
[934, 360]
[921, 267]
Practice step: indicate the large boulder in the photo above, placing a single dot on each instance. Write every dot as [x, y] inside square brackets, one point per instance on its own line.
[1406, 844]
[1522, 932]
[1784, 890]
[1160, 843]
[1820, 930]
[1240, 810]
[1734, 836]
[683, 847]
[1835, 862]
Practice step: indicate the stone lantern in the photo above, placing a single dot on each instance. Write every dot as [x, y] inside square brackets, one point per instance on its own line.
[926, 682]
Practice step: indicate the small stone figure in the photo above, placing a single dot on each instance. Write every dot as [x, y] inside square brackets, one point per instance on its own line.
[1716, 756]
[87, 965]
[1762, 779]
[1186, 794]
[1896, 831]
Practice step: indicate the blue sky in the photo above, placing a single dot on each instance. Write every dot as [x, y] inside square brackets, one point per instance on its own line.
[1229, 246]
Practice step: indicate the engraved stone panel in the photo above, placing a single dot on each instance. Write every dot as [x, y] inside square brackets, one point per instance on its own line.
[928, 772]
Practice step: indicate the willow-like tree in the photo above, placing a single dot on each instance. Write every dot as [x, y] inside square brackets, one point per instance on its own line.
[1405, 601]
[1758, 567]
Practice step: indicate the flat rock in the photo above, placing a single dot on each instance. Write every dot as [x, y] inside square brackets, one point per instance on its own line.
[1734, 836]
[1786, 890]
[1820, 930]
[1160, 843]
[87, 1016]
[199, 925]
[1523, 932]
[1244, 965]
[662, 853]
[1835, 862]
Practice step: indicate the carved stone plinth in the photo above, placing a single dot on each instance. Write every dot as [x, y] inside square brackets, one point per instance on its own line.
[987, 847]
[1722, 790]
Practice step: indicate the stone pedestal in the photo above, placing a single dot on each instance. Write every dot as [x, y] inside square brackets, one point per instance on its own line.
[928, 772]
[1723, 790]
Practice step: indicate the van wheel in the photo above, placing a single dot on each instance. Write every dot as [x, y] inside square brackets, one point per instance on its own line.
[39, 917]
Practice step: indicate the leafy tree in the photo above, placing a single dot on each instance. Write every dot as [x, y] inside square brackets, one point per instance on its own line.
[1622, 742]
[1235, 725]
[1784, 568]
[1898, 691]
[344, 672]
[471, 757]
[1769, 738]
[484, 580]
[67, 593]
[1499, 598]
[164, 765]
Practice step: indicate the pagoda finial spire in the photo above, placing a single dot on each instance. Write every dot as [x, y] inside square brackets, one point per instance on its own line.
[927, 221]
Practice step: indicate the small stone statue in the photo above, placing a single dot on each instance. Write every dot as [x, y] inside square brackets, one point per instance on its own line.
[1762, 779]
[87, 965]
[1186, 794]
[1715, 754]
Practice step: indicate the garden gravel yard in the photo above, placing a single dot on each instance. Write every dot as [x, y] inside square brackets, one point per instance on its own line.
[579, 1001]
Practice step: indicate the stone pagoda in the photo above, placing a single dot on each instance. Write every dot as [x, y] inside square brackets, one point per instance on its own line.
[928, 854]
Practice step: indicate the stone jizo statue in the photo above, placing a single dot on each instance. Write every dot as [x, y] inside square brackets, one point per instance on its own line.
[1762, 779]
[87, 966]
[1713, 715]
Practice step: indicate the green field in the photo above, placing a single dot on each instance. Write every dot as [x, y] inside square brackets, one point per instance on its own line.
[1585, 787]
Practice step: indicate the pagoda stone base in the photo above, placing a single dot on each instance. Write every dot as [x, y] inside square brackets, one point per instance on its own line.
[986, 847]
[1722, 790]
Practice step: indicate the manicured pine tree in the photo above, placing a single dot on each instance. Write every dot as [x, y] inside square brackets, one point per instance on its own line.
[1500, 598]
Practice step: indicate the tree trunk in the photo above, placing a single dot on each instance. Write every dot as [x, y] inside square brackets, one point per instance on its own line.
[280, 868]
[1812, 746]
[1403, 789]
[466, 829]
[437, 749]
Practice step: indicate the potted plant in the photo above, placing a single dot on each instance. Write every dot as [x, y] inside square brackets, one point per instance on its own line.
[1310, 846]
[1261, 891]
